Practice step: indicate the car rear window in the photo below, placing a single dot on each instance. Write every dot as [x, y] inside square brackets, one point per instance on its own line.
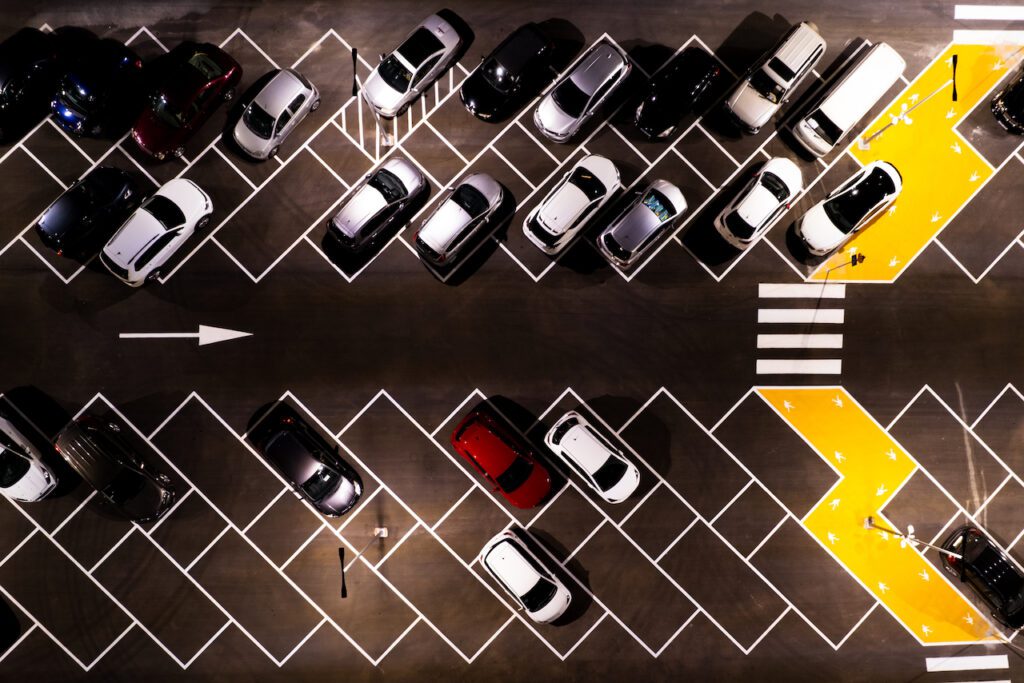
[737, 226]
[774, 184]
[470, 199]
[13, 466]
[610, 473]
[849, 208]
[204, 64]
[766, 86]
[539, 595]
[125, 485]
[825, 127]
[165, 211]
[420, 45]
[563, 428]
[780, 67]
[570, 98]
[516, 474]
[395, 74]
[588, 183]
[659, 205]
[321, 483]
[388, 184]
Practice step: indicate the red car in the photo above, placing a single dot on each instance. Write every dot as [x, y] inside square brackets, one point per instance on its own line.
[191, 81]
[503, 457]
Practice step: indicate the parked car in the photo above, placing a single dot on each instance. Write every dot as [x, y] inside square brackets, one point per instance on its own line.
[515, 71]
[100, 93]
[638, 227]
[989, 572]
[1008, 104]
[376, 203]
[190, 82]
[462, 214]
[761, 202]
[503, 457]
[833, 221]
[305, 459]
[522, 575]
[586, 452]
[412, 68]
[24, 475]
[675, 90]
[774, 77]
[579, 93]
[274, 113]
[86, 214]
[30, 66]
[158, 228]
[571, 203]
[94, 450]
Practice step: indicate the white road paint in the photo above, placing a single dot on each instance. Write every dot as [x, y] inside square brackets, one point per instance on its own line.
[802, 290]
[799, 366]
[205, 335]
[976, 37]
[989, 12]
[799, 341]
[801, 315]
[967, 663]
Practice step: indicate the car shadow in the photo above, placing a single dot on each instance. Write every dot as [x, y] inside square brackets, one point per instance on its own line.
[700, 236]
[10, 627]
[35, 407]
[463, 29]
[798, 250]
[568, 40]
[541, 543]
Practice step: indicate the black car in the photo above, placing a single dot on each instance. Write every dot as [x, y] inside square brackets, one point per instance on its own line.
[675, 90]
[1008, 105]
[515, 71]
[93, 448]
[87, 214]
[101, 92]
[28, 77]
[312, 466]
[989, 572]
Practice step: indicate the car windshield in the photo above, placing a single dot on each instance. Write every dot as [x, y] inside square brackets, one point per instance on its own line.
[204, 64]
[385, 182]
[13, 465]
[539, 595]
[848, 209]
[825, 127]
[517, 473]
[659, 205]
[766, 86]
[258, 121]
[610, 473]
[1014, 96]
[165, 211]
[125, 485]
[737, 226]
[570, 98]
[497, 75]
[321, 483]
[419, 46]
[394, 74]
[774, 184]
[77, 95]
[165, 111]
[588, 184]
[470, 199]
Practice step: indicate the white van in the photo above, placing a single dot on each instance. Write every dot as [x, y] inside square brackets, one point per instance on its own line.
[849, 98]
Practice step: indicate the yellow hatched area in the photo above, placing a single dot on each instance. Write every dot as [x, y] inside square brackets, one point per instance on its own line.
[872, 468]
[941, 171]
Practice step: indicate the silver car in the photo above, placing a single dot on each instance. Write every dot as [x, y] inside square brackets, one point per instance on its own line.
[578, 94]
[23, 474]
[274, 113]
[460, 216]
[402, 75]
[376, 203]
[641, 223]
[571, 204]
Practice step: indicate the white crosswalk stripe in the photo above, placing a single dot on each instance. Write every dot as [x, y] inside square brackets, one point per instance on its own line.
[803, 339]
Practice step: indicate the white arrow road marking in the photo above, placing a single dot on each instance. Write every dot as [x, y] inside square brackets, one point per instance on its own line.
[892, 209]
[936, 217]
[205, 335]
[884, 535]
[913, 98]
[881, 490]
[882, 587]
[969, 619]
[892, 455]
[951, 113]
[893, 262]
[925, 630]
[974, 177]
[834, 504]
[956, 148]
[924, 575]
[787, 405]
[838, 401]
[839, 456]
[832, 538]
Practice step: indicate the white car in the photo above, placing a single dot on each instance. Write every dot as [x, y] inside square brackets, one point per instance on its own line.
[460, 216]
[412, 67]
[638, 227]
[277, 109]
[23, 474]
[761, 203]
[831, 222]
[376, 203]
[587, 453]
[520, 574]
[571, 203]
[157, 229]
[578, 94]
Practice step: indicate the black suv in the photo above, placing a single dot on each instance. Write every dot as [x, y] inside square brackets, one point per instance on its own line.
[1008, 105]
[101, 92]
[513, 73]
[95, 451]
[989, 572]
[675, 90]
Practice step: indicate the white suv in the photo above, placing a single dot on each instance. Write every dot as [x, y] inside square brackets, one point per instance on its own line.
[23, 474]
[520, 574]
[587, 453]
[571, 203]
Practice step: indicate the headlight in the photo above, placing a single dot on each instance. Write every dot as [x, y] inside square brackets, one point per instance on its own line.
[160, 156]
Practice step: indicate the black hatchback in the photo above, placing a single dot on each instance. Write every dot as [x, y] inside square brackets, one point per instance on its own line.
[88, 212]
[1008, 105]
[28, 76]
[312, 467]
[101, 92]
[514, 72]
[675, 90]
[989, 572]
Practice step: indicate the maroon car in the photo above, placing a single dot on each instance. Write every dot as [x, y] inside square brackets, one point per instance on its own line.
[190, 83]
[503, 457]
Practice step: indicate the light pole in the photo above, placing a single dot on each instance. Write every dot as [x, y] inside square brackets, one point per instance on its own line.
[378, 533]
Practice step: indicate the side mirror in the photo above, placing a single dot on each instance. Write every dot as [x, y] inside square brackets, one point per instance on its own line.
[382, 56]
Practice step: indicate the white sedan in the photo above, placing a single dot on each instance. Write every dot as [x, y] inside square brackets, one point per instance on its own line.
[412, 67]
[571, 204]
[522, 575]
[23, 474]
[761, 203]
[587, 453]
[830, 223]
[460, 216]
[157, 229]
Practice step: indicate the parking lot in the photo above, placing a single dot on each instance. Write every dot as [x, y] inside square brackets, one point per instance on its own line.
[713, 570]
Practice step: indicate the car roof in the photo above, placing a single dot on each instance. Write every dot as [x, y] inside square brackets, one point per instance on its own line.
[507, 560]
[582, 445]
[279, 92]
[89, 461]
[487, 443]
[597, 67]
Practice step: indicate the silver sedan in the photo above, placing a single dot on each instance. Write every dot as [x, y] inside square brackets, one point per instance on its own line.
[460, 216]
[376, 203]
[640, 224]
[274, 113]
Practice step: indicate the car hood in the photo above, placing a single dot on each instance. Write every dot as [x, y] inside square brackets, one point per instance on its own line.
[757, 205]
[291, 456]
[562, 210]
[634, 227]
[381, 95]
[554, 119]
[818, 231]
[63, 216]
[483, 99]
[155, 136]
[353, 216]
[35, 484]
[750, 107]
[556, 606]
[344, 496]
[250, 142]
[626, 486]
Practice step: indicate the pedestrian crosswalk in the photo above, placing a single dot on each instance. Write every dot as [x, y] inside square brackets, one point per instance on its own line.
[794, 333]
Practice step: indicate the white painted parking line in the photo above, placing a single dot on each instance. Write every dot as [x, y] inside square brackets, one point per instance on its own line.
[801, 290]
[799, 341]
[978, 37]
[831, 316]
[967, 663]
[799, 366]
[988, 12]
